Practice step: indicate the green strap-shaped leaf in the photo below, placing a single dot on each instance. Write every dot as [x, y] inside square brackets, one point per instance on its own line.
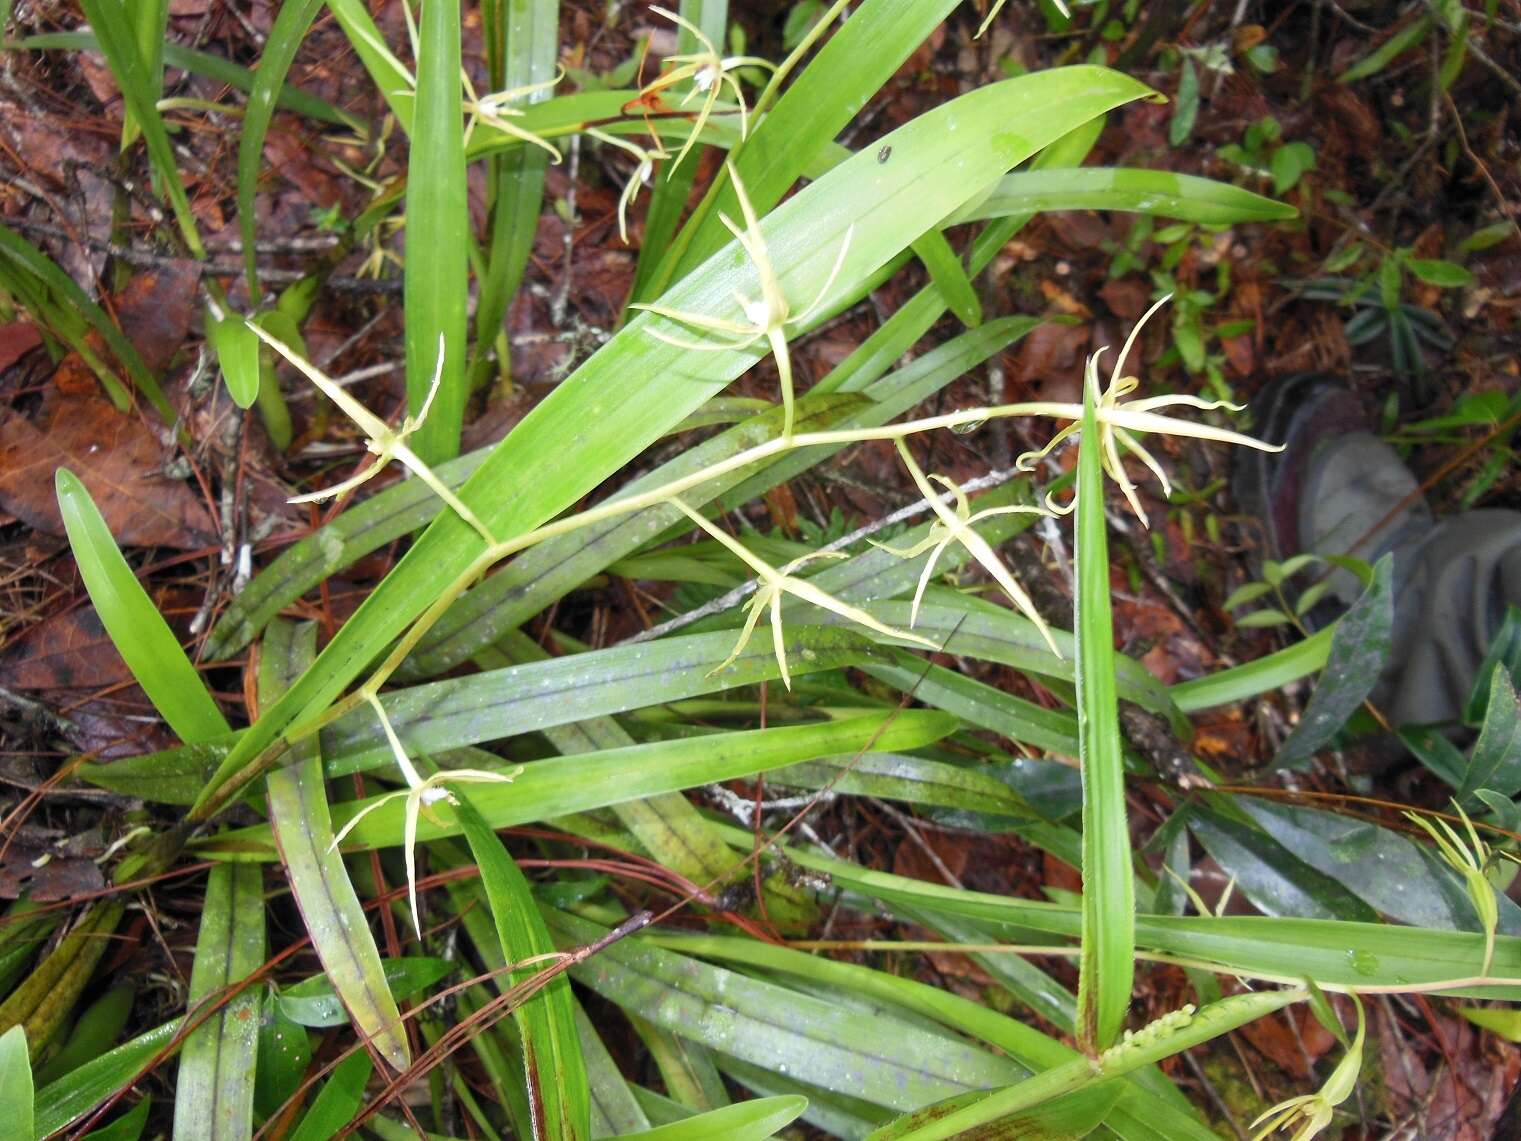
[1107, 967]
[562, 785]
[886, 1060]
[747, 1121]
[302, 829]
[16, 1082]
[505, 702]
[214, 1093]
[137, 630]
[636, 386]
[1157, 192]
[1337, 955]
[65, 1101]
[553, 1068]
[436, 274]
[338, 1101]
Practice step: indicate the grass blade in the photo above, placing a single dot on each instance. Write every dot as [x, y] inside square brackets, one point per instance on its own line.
[215, 1090]
[302, 829]
[501, 703]
[553, 1068]
[1107, 966]
[337, 1102]
[285, 36]
[138, 631]
[436, 275]
[140, 93]
[880, 1058]
[151, 20]
[65, 1101]
[950, 277]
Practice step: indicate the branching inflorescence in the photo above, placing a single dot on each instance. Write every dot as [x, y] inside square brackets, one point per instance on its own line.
[1120, 423]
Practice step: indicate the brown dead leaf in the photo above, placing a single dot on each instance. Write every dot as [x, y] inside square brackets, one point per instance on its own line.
[68, 661]
[16, 340]
[1050, 352]
[44, 876]
[156, 309]
[118, 459]
[1127, 297]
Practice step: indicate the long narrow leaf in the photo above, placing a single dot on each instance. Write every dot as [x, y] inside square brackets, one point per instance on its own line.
[214, 1092]
[285, 36]
[138, 631]
[438, 238]
[553, 1068]
[562, 785]
[1107, 966]
[302, 828]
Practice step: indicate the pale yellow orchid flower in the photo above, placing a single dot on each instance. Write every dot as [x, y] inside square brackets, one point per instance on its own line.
[1309, 1113]
[385, 442]
[958, 526]
[644, 170]
[775, 582]
[494, 109]
[1471, 859]
[709, 72]
[420, 795]
[768, 316]
[1119, 420]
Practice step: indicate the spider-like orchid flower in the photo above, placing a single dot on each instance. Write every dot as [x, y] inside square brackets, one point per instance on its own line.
[420, 795]
[709, 72]
[493, 111]
[1471, 859]
[768, 316]
[958, 526]
[1309, 1113]
[1119, 422]
[385, 442]
[773, 582]
[643, 172]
